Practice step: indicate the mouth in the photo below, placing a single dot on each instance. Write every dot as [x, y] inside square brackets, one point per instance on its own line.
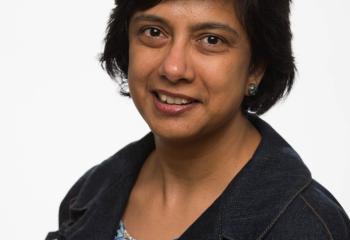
[173, 99]
[173, 104]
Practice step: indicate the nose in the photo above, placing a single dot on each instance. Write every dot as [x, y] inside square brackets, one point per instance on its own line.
[176, 63]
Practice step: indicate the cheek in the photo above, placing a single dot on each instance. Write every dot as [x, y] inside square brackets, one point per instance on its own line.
[142, 60]
[135, 60]
[143, 66]
[136, 76]
[137, 71]
[226, 77]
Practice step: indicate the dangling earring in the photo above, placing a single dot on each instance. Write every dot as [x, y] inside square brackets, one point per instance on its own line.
[252, 89]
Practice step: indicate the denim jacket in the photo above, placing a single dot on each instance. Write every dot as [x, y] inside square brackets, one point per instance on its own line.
[273, 197]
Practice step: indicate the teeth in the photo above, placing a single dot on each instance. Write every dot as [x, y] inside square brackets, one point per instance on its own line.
[171, 100]
[178, 101]
[162, 97]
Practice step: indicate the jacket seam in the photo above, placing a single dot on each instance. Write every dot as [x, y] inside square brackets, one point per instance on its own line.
[283, 210]
[318, 216]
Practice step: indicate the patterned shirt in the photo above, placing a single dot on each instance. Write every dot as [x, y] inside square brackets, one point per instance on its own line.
[122, 234]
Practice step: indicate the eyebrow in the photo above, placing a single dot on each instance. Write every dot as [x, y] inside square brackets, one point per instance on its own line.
[147, 17]
[196, 27]
[214, 25]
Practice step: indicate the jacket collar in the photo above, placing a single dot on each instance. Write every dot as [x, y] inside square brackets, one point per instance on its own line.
[247, 209]
[258, 195]
[264, 188]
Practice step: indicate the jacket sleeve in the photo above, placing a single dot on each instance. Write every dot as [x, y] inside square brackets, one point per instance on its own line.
[314, 215]
[65, 216]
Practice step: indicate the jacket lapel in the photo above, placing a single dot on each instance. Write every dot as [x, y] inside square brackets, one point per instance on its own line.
[102, 215]
[258, 195]
[264, 188]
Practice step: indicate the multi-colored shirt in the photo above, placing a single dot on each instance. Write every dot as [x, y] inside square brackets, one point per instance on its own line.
[122, 234]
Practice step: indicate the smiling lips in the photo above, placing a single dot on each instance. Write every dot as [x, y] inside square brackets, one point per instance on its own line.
[171, 100]
[173, 104]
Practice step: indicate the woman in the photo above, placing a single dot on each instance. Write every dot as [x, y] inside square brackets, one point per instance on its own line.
[200, 73]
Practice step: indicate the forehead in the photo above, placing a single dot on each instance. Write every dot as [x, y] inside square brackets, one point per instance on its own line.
[203, 4]
[187, 11]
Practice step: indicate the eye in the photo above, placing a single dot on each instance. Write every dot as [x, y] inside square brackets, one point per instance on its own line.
[152, 32]
[152, 36]
[212, 40]
[213, 43]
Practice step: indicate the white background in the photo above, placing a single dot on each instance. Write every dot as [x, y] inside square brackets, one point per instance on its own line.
[61, 114]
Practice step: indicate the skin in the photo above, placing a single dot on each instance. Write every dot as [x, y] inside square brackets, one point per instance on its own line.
[199, 151]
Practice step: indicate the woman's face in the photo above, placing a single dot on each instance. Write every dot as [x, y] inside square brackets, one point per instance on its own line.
[188, 67]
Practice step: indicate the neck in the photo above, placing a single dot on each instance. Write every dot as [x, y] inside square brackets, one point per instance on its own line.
[211, 160]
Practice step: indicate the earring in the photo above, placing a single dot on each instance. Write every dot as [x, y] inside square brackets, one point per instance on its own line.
[252, 89]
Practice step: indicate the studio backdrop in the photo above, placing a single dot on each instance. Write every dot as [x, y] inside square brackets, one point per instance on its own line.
[61, 114]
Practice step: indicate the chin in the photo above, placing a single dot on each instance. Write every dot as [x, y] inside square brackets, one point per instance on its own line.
[175, 133]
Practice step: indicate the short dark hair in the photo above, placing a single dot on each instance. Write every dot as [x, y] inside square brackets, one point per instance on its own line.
[267, 25]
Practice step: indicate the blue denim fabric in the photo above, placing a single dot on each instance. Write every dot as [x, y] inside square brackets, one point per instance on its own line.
[273, 197]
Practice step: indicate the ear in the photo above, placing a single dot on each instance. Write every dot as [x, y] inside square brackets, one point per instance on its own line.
[255, 76]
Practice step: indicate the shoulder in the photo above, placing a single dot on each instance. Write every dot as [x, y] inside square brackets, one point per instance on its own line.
[83, 194]
[274, 197]
[90, 185]
[314, 214]
[101, 187]
[100, 178]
